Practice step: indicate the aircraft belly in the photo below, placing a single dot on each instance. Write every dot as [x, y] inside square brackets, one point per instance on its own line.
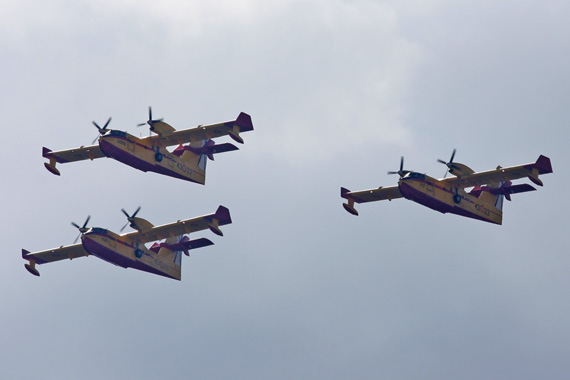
[415, 194]
[123, 255]
[114, 149]
[99, 246]
[466, 207]
[172, 167]
[145, 159]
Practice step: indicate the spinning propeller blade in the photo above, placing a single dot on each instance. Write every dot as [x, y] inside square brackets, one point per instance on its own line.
[101, 130]
[150, 120]
[130, 218]
[400, 172]
[450, 165]
[82, 229]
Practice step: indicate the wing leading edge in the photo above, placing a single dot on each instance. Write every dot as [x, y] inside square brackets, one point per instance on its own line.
[212, 221]
[363, 196]
[70, 155]
[531, 171]
[51, 255]
[232, 128]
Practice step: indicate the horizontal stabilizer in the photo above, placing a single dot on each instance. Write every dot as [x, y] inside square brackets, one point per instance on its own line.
[220, 148]
[209, 149]
[185, 244]
[506, 189]
[520, 188]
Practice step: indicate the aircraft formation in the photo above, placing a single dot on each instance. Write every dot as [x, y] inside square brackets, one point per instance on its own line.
[186, 162]
[477, 195]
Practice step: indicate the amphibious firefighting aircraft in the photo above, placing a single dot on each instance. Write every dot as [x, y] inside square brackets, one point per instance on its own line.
[483, 202]
[128, 250]
[150, 153]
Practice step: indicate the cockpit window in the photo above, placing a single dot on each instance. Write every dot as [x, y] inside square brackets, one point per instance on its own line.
[117, 133]
[97, 230]
[415, 175]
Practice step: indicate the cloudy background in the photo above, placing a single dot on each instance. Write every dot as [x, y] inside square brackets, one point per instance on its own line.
[297, 287]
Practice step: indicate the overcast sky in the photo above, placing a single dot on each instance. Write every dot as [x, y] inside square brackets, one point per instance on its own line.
[296, 288]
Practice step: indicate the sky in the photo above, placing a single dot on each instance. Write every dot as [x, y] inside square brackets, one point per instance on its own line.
[296, 287]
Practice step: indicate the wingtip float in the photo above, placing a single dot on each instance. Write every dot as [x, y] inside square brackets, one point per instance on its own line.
[447, 195]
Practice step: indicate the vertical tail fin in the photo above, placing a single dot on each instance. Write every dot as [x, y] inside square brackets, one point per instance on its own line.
[172, 246]
[194, 155]
[499, 202]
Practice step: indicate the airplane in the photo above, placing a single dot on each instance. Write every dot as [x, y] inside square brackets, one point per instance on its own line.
[150, 153]
[448, 195]
[128, 250]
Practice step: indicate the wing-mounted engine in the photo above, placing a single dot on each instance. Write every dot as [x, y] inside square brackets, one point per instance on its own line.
[157, 126]
[136, 223]
[162, 128]
[456, 168]
[141, 224]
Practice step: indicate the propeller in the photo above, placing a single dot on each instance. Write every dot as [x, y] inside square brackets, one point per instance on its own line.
[401, 172]
[150, 120]
[101, 130]
[82, 229]
[450, 165]
[130, 218]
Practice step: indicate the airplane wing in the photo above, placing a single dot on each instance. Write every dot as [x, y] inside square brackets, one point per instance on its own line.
[363, 196]
[51, 255]
[532, 171]
[77, 154]
[379, 194]
[204, 132]
[212, 221]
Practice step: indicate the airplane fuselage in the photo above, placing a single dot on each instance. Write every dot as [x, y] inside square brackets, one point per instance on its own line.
[141, 155]
[434, 194]
[109, 246]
